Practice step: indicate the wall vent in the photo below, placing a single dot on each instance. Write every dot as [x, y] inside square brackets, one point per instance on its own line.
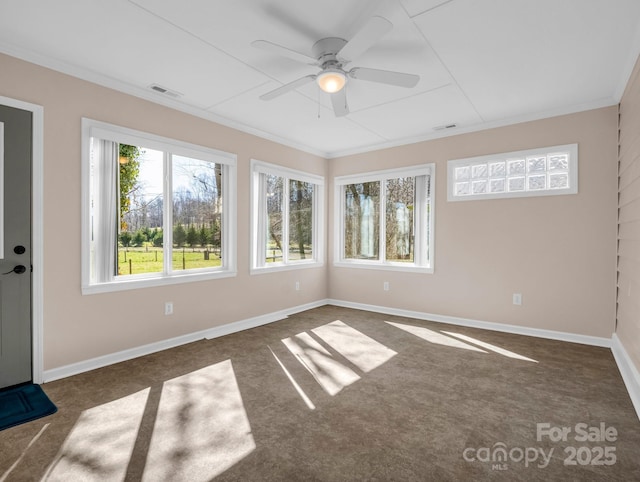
[165, 91]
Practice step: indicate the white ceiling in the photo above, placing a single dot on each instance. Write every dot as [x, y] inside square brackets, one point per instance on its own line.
[481, 63]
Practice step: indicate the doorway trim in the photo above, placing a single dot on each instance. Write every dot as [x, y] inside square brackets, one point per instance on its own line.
[37, 231]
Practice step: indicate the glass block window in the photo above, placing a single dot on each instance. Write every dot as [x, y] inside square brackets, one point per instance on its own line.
[536, 172]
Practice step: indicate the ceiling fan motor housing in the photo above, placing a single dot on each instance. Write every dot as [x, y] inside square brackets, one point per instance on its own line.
[326, 50]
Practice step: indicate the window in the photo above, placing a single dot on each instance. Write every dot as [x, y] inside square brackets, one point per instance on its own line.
[536, 172]
[287, 218]
[155, 210]
[386, 219]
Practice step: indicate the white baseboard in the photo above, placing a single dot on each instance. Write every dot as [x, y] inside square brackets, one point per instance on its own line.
[124, 355]
[485, 325]
[628, 370]
[103, 361]
[254, 322]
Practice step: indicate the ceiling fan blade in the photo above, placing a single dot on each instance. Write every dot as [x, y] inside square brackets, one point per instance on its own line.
[284, 52]
[339, 102]
[288, 87]
[399, 79]
[306, 28]
[372, 31]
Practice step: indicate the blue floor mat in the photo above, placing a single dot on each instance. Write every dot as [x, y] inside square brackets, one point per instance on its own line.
[23, 404]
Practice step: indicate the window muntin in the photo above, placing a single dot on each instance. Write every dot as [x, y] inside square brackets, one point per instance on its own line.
[287, 218]
[536, 172]
[386, 219]
[125, 243]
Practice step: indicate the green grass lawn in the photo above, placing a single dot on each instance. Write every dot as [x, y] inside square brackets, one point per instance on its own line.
[150, 260]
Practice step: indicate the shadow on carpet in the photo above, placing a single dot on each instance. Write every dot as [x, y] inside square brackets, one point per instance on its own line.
[23, 404]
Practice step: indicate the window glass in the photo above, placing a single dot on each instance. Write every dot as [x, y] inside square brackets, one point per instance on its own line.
[197, 204]
[399, 219]
[300, 220]
[140, 187]
[362, 220]
[274, 204]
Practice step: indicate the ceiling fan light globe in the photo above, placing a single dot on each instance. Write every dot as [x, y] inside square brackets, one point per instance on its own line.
[332, 81]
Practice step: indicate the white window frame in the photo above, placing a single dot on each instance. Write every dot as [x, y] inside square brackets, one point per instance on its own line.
[423, 262]
[101, 130]
[570, 149]
[258, 264]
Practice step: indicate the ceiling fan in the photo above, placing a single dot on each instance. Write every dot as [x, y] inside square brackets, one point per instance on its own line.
[332, 54]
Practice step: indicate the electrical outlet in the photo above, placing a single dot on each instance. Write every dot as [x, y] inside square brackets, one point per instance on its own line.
[168, 308]
[297, 285]
[517, 299]
[385, 286]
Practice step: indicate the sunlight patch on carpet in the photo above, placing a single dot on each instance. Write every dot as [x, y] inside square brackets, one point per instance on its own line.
[435, 337]
[100, 445]
[490, 347]
[295, 384]
[5, 476]
[201, 427]
[332, 375]
[361, 350]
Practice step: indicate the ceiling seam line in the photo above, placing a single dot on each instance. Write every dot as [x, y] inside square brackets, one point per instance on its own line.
[218, 49]
[237, 95]
[364, 109]
[427, 10]
[482, 119]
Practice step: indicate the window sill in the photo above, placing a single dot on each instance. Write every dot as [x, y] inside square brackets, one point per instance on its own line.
[138, 283]
[275, 267]
[383, 266]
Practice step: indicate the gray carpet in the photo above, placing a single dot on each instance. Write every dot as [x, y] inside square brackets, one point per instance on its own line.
[333, 394]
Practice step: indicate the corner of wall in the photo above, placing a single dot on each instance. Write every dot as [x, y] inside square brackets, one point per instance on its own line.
[628, 370]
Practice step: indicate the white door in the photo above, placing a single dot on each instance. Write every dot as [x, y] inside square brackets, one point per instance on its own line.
[15, 246]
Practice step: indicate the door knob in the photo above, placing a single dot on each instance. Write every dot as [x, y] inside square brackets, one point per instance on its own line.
[19, 249]
[19, 269]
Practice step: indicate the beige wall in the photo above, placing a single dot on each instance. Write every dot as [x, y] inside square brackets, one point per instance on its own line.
[558, 251]
[79, 327]
[628, 314]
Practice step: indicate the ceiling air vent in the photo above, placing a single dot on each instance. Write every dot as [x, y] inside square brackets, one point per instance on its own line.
[448, 126]
[165, 91]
